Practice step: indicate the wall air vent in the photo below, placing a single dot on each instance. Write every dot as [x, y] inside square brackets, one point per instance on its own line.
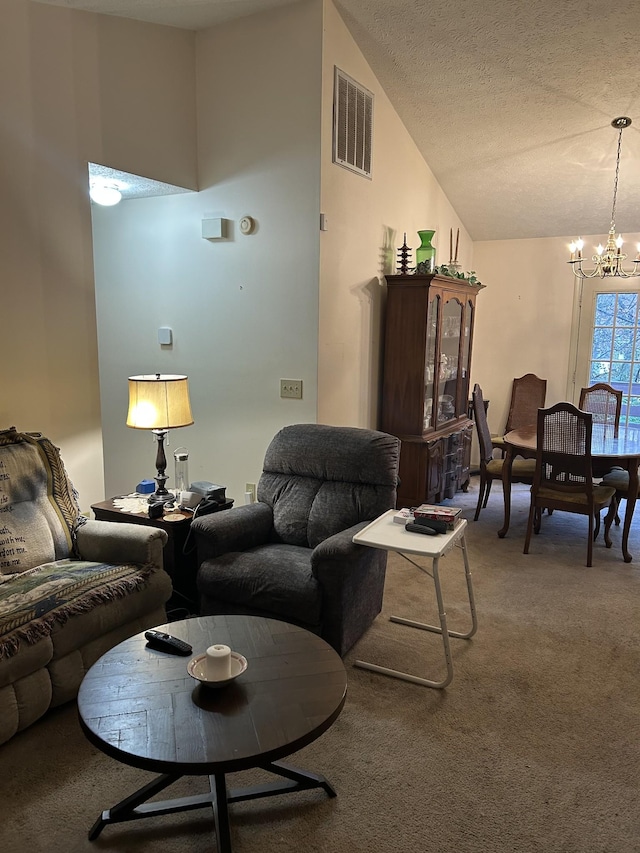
[352, 124]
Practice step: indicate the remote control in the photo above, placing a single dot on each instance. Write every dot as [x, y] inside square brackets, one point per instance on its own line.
[412, 527]
[167, 643]
[433, 523]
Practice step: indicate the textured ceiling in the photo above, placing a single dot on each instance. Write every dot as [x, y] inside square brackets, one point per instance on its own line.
[131, 186]
[510, 102]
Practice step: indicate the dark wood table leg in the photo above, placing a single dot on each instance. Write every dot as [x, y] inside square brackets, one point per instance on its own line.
[631, 503]
[506, 490]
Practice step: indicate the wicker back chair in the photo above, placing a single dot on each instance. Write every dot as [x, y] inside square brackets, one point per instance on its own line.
[528, 394]
[522, 470]
[604, 403]
[563, 478]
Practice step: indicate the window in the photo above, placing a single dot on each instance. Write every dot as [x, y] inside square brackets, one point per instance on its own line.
[609, 343]
[615, 350]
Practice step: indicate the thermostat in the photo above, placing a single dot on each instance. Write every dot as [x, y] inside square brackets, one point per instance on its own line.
[247, 224]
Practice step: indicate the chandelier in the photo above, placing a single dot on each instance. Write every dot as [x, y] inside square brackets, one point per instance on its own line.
[609, 259]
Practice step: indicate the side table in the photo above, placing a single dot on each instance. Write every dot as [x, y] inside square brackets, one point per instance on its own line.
[387, 534]
[182, 568]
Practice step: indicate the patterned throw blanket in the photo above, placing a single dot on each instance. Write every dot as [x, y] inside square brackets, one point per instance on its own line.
[33, 602]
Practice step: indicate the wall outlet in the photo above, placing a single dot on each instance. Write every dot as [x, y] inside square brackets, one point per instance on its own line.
[250, 493]
[291, 388]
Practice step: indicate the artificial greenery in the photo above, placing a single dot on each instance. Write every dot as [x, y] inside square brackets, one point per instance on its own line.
[423, 268]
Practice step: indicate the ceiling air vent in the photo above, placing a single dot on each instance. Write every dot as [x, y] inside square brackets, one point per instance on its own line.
[352, 124]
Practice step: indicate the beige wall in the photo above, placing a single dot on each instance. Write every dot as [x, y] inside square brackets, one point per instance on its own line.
[367, 220]
[147, 96]
[524, 319]
[58, 87]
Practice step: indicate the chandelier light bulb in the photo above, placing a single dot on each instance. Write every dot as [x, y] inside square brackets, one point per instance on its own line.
[619, 241]
[600, 249]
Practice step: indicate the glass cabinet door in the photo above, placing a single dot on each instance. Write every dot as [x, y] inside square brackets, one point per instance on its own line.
[449, 355]
[465, 352]
[430, 362]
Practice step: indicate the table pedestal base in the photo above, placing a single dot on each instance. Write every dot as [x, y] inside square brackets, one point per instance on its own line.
[135, 806]
[442, 629]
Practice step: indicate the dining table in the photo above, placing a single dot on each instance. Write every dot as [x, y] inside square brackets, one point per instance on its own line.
[608, 450]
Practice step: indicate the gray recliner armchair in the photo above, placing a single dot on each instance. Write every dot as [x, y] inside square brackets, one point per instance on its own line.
[290, 555]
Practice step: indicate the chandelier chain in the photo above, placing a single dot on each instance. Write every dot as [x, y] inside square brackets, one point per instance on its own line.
[615, 183]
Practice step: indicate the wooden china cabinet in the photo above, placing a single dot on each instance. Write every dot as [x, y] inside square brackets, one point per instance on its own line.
[425, 391]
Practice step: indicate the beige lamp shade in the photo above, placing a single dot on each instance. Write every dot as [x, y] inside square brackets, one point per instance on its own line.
[159, 401]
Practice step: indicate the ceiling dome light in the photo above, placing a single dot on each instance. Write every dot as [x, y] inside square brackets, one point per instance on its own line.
[103, 193]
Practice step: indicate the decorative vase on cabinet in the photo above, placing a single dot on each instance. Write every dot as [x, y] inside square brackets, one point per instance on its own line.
[426, 252]
[429, 323]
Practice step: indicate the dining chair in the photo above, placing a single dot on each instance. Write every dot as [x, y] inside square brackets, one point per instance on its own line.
[604, 403]
[528, 394]
[563, 478]
[618, 478]
[522, 470]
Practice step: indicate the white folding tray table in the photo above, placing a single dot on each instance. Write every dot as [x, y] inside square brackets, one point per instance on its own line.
[388, 535]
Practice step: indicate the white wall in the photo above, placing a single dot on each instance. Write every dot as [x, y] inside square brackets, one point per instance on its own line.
[367, 220]
[244, 311]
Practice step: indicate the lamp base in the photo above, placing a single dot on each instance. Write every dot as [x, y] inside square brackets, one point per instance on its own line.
[160, 498]
[161, 494]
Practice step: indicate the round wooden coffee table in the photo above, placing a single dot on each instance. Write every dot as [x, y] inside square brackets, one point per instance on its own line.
[141, 707]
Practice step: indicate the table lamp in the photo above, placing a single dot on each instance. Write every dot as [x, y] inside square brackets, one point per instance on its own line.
[159, 403]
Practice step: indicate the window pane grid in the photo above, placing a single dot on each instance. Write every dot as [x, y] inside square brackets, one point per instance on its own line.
[615, 350]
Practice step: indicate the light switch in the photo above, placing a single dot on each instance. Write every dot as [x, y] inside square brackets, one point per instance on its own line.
[165, 335]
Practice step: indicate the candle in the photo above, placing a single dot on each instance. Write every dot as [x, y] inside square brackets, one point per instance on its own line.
[455, 259]
[218, 662]
[450, 244]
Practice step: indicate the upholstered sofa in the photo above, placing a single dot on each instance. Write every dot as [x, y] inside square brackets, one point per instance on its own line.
[70, 588]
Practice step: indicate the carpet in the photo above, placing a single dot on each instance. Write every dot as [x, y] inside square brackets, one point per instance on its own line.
[533, 748]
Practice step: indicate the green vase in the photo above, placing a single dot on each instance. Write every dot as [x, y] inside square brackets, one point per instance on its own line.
[426, 252]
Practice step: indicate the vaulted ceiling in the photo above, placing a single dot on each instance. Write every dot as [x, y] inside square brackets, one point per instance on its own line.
[510, 102]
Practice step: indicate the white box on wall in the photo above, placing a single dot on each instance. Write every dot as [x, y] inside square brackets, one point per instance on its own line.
[214, 229]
